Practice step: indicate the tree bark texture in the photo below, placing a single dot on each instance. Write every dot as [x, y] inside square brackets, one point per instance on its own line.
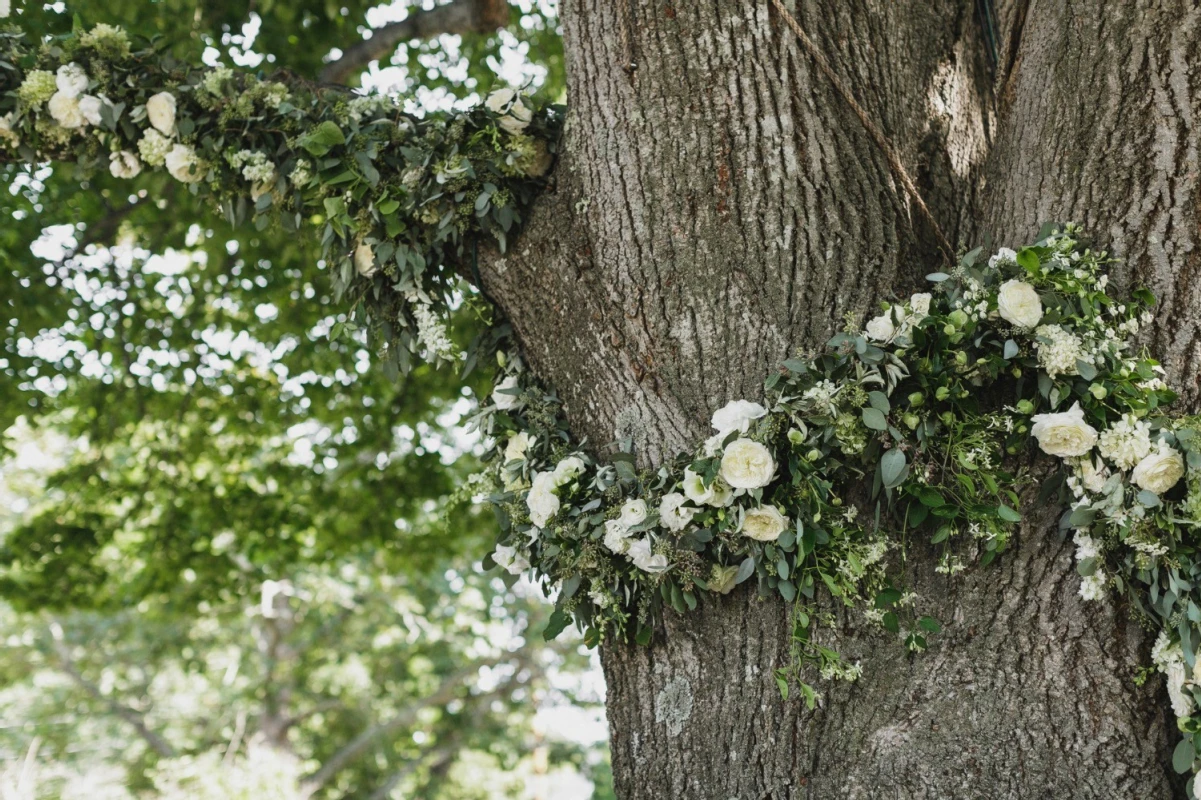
[718, 207]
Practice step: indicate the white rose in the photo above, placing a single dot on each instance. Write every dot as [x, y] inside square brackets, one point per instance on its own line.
[541, 501]
[764, 524]
[1159, 471]
[124, 165]
[71, 80]
[1004, 254]
[364, 260]
[183, 164]
[640, 553]
[920, 303]
[881, 328]
[716, 494]
[89, 106]
[515, 116]
[65, 110]
[617, 536]
[1093, 477]
[737, 415]
[519, 444]
[510, 560]
[7, 133]
[160, 110]
[746, 464]
[567, 470]
[633, 512]
[1019, 304]
[1066, 434]
[502, 400]
[673, 513]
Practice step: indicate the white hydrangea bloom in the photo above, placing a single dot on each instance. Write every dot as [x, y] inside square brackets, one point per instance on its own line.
[1002, 255]
[1058, 350]
[124, 164]
[1126, 442]
[1093, 587]
[1169, 658]
[154, 147]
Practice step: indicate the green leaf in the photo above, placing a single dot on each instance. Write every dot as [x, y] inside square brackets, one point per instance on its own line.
[1182, 756]
[1008, 514]
[892, 467]
[930, 624]
[890, 622]
[555, 625]
[323, 138]
[1085, 369]
[787, 590]
[745, 569]
[874, 420]
[879, 401]
[1011, 349]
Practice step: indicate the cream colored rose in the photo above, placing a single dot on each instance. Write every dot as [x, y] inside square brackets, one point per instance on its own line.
[89, 106]
[124, 164]
[515, 116]
[1066, 434]
[160, 110]
[920, 303]
[764, 524]
[500, 396]
[364, 260]
[1019, 304]
[183, 164]
[633, 512]
[737, 415]
[518, 445]
[746, 464]
[568, 470]
[617, 536]
[71, 80]
[881, 328]
[64, 109]
[541, 501]
[1159, 471]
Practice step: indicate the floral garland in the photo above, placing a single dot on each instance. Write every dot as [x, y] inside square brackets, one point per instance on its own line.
[902, 427]
[395, 199]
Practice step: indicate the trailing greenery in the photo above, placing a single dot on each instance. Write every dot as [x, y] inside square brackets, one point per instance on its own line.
[904, 429]
[397, 201]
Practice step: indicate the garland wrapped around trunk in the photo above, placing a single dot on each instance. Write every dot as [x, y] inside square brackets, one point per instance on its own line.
[904, 428]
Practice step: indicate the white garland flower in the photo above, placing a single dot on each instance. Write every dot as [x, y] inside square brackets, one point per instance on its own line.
[674, 515]
[1002, 255]
[184, 165]
[617, 536]
[1019, 304]
[881, 328]
[763, 524]
[515, 116]
[364, 260]
[502, 400]
[542, 502]
[633, 512]
[64, 109]
[746, 464]
[1126, 442]
[1092, 475]
[89, 106]
[71, 80]
[124, 164]
[6, 8]
[640, 553]
[160, 111]
[1169, 658]
[919, 304]
[1093, 587]
[1065, 434]
[153, 147]
[1058, 350]
[1160, 470]
[736, 415]
[7, 132]
[568, 470]
[518, 445]
[717, 494]
[510, 559]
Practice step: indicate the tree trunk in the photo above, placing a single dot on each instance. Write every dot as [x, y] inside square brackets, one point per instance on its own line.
[719, 206]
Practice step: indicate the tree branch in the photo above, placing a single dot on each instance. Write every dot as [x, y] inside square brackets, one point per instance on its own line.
[457, 16]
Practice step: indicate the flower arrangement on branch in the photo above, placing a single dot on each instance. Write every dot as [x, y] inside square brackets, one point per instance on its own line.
[909, 427]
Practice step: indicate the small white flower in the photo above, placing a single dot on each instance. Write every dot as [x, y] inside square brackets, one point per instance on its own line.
[599, 598]
[364, 260]
[518, 445]
[881, 328]
[510, 560]
[514, 114]
[617, 536]
[1058, 350]
[64, 109]
[746, 464]
[1019, 304]
[71, 80]
[736, 415]
[1066, 434]
[633, 512]
[124, 164]
[674, 515]
[183, 164]
[1126, 442]
[160, 110]
[639, 552]
[1004, 254]
[764, 524]
[1093, 587]
[1159, 471]
[501, 398]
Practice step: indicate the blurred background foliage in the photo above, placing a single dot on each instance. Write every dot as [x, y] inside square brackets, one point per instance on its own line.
[236, 560]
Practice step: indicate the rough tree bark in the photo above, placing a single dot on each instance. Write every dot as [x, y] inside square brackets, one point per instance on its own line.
[717, 207]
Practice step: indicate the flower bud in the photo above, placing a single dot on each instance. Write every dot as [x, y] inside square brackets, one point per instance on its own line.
[911, 420]
[1098, 391]
[961, 358]
[916, 399]
[795, 436]
[1025, 407]
[958, 318]
[942, 393]
[813, 455]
